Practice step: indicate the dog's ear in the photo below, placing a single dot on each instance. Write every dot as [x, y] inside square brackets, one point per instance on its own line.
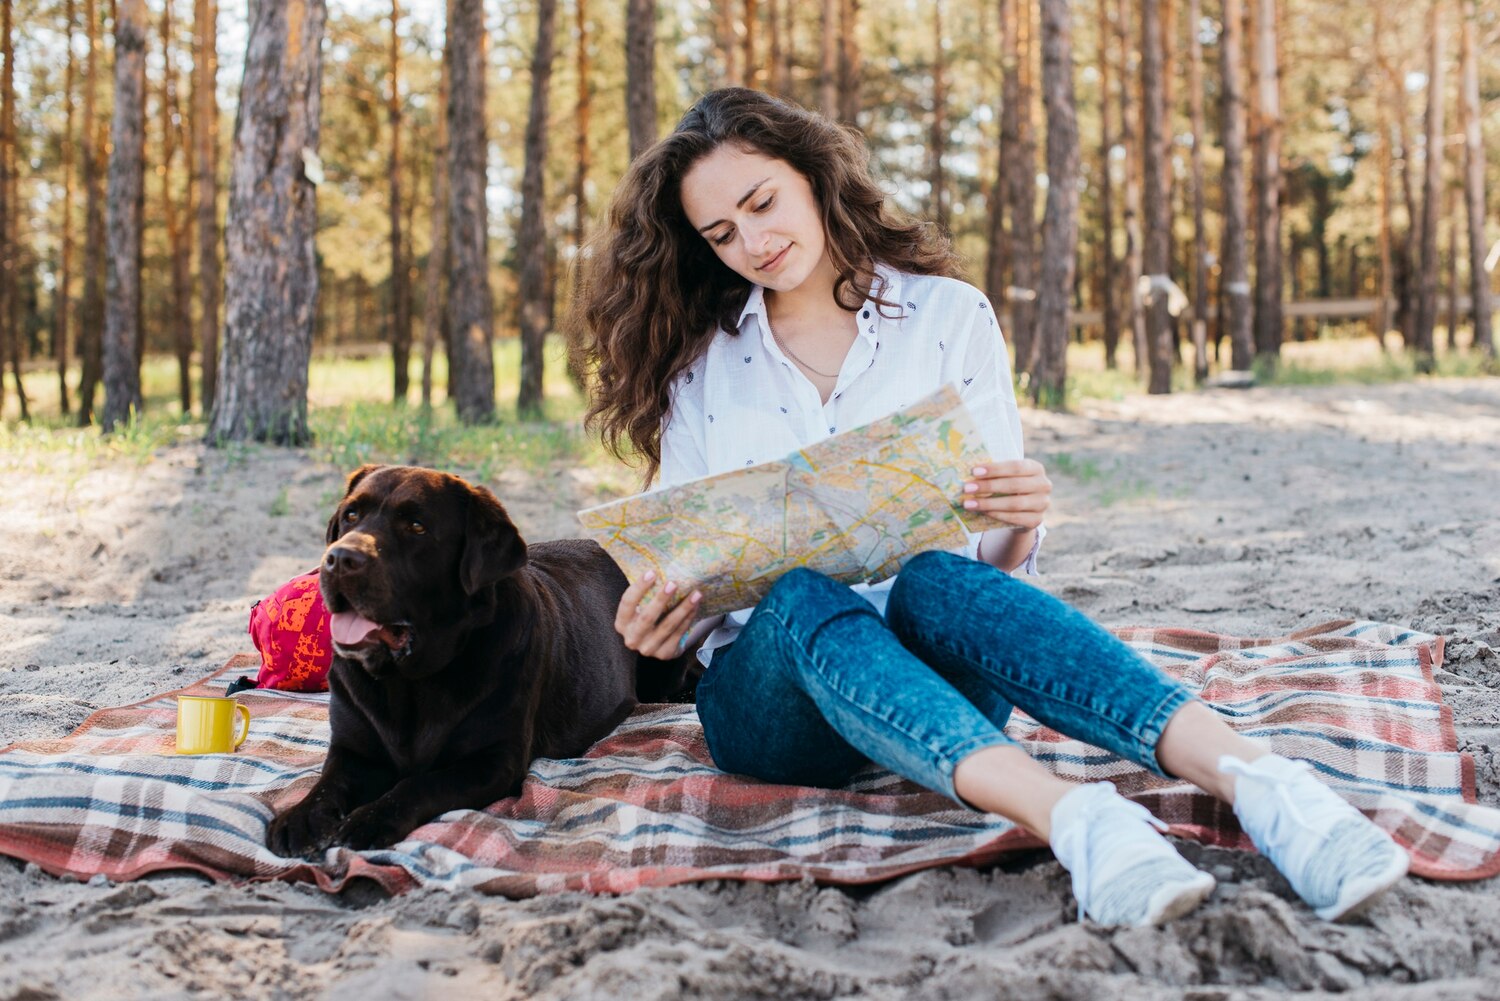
[349, 485]
[493, 548]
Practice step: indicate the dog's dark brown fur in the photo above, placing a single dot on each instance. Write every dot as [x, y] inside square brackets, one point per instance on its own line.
[489, 654]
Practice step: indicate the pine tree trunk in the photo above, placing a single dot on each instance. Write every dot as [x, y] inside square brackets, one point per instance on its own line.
[64, 309]
[752, 61]
[271, 275]
[122, 312]
[471, 310]
[1020, 183]
[828, 64]
[91, 306]
[206, 185]
[1200, 229]
[532, 243]
[1451, 211]
[1474, 166]
[1060, 218]
[781, 48]
[1427, 289]
[1383, 309]
[1109, 302]
[581, 115]
[178, 306]
[1268, 253]
[12, 243]
[437, 256]
[851, 70]
[1157, 199]
[727, 39]
[640, 74]
[1132, 208]
[938, 137]
[400, 273]
[9, 333]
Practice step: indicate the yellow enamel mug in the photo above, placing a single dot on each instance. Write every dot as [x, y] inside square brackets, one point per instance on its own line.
[205, 725]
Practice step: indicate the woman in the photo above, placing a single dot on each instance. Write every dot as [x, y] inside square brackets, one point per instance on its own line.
[750, 294]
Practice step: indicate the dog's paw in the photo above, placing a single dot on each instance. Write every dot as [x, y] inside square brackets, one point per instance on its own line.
[304, 830]
[372, 826]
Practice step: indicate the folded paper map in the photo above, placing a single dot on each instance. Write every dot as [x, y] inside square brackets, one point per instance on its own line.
[855, 506]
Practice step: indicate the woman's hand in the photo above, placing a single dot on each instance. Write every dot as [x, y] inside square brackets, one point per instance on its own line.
[1017, 493]
[656, 628]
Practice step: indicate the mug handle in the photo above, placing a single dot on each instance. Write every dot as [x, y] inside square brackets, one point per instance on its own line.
[245, 733]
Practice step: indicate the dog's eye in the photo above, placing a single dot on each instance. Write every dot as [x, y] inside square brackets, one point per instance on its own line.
[416, 527]
[351, 515]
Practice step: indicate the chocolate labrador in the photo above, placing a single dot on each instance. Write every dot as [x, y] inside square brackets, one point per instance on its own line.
[460, 655]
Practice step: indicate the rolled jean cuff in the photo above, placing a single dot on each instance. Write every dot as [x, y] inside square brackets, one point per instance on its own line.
[953, 755]
[1149, 736]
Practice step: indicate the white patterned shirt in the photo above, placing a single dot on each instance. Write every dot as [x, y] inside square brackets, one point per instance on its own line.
[744, 402]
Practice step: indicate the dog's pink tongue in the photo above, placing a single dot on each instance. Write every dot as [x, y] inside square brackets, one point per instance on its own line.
[351, 628]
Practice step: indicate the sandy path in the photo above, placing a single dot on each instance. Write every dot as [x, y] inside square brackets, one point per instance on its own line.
[1253, 512]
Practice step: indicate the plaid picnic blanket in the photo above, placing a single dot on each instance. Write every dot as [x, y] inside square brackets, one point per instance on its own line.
[645, 807]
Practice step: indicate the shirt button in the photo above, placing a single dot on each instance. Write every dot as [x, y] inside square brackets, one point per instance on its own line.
[867, 314]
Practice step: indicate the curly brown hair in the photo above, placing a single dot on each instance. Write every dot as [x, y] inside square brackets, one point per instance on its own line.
[651, 291]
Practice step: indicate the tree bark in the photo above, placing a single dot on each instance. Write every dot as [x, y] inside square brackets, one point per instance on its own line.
[400, 273]
[1427, 289]
[1060, 218]
[851, 70]
[1383, 310]
[1020, 184]
[640, 74]
[938, 137]
[1268, 254]
[1109, 303]
[1474, 167]
[1157, 199]
[437, 256]
[10, 267]
[1132, 207]
[471, 310]
[122, 312]
[1450, 212]
[828, 65]
[1200, 230]
[532, 243]
[752, 62]
[781, 48]
[206, 184]
[178, 306]
[63, 311]
[91, 306]
[271, 275]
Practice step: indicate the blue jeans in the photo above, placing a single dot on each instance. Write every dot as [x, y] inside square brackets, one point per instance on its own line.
[817, 685]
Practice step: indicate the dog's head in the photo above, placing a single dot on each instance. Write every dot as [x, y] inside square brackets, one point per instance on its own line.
[412, 553]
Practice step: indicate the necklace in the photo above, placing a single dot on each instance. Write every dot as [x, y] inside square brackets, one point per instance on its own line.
[788, 351]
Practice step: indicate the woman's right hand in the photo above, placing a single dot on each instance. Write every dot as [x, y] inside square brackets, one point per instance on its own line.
[656, 628]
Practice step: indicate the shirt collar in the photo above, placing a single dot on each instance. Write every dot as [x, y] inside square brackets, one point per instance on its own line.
[887, 286]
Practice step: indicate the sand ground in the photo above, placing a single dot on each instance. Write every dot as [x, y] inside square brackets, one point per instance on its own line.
[1254, 512]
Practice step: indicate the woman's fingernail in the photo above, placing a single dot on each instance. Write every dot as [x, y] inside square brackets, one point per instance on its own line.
[695, 597]
[970, 488]
[650, 575]
[971, 504]
[671, 586]
[979, 470]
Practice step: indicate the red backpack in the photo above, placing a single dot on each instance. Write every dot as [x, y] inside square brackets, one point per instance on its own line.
[292, 632]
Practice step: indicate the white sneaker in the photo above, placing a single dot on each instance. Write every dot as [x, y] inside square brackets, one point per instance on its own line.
[1124, 872]
[1336, 859]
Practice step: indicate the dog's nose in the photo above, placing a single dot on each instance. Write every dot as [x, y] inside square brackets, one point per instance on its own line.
[343, 559]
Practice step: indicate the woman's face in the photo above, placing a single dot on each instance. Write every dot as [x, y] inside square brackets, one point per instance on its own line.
[758, 214]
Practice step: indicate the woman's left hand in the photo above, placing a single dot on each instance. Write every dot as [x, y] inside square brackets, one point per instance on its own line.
[1017, 493]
